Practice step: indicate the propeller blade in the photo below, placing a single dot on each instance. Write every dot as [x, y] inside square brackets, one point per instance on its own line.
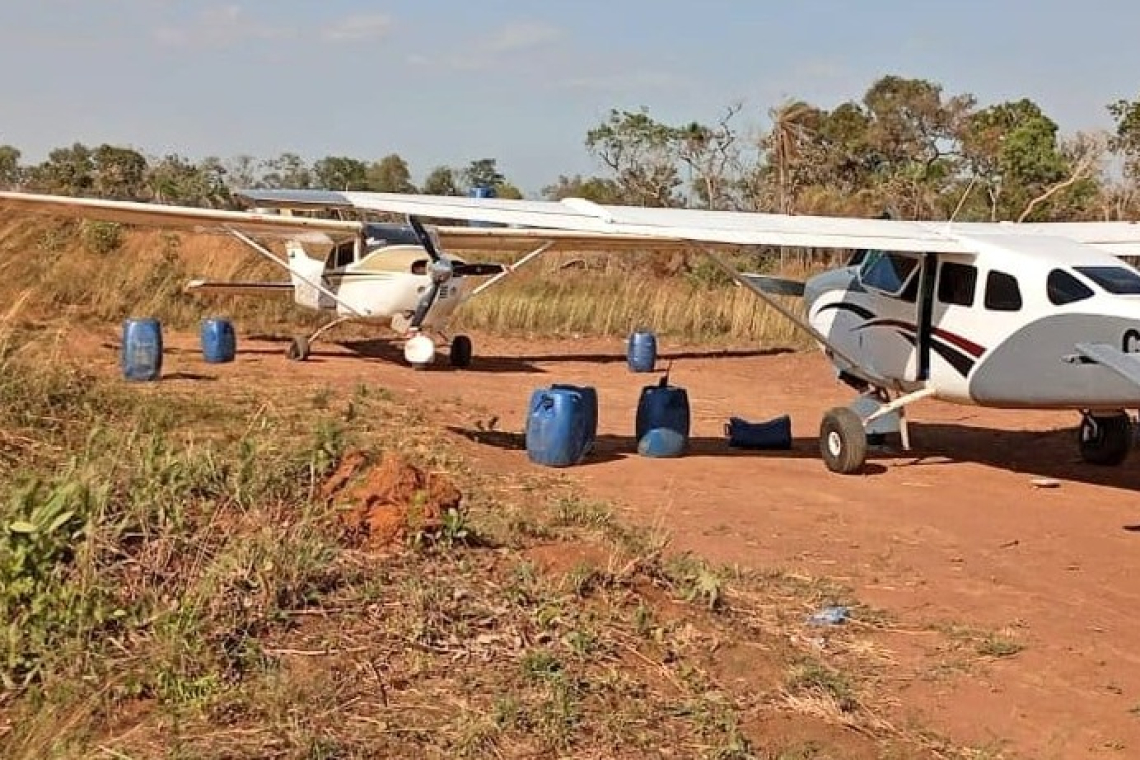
[424, 304]
[478, 269]
[425, 238]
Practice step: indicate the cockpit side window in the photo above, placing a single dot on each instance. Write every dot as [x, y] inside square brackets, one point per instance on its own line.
[957, 283]
[1002, 292]
[887, 272]
[342, 255]
[1116, 280]
[1063, 288]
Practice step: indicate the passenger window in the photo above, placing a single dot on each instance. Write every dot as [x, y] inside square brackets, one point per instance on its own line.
[1063, 288]
[956, 283]
[1002, 292]
[887, 272]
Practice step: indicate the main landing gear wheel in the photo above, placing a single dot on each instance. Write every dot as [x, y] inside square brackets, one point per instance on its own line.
[461, 351]
[843, 441]
[1105, 439]
[298, 349]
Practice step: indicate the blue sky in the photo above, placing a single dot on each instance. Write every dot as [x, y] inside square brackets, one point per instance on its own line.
[445, 82]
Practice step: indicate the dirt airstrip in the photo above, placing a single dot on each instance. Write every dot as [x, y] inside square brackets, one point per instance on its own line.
[953, 536]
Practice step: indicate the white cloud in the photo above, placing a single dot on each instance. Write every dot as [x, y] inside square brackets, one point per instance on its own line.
[493, 49]
[221, 26]
[358, 28]
[627, 80]
[520, 35]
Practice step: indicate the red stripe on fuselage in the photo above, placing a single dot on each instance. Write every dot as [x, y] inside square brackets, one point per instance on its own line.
[965, 344]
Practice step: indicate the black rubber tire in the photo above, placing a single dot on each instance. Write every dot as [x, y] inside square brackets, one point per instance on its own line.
[842, 441]
[298, 349]
[461, 351]
[1105, 440]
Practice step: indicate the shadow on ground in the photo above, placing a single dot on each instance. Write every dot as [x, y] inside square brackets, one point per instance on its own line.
[1046, 454]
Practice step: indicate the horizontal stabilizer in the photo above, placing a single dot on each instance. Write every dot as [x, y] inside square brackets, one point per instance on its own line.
[1125, 365]
[777, 286]
[233, 287]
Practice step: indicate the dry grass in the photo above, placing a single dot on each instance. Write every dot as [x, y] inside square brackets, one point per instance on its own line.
[169, 592]
[100, 273]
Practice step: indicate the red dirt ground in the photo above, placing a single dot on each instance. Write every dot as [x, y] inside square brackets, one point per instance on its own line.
[955, 534]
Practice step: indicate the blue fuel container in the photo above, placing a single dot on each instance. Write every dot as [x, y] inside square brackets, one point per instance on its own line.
[219, 343]
[141, 353]
[590, 399]
[663, 419]
[641, 352]
[556, 432]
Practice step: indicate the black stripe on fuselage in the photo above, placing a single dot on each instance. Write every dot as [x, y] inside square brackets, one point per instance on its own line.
[962, 362]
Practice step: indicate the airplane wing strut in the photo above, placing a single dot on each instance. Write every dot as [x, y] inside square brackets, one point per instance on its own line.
[265, 252]
[759, 290]
[532, 255]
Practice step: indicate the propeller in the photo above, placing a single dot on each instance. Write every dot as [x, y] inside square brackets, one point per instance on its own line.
[441, 270]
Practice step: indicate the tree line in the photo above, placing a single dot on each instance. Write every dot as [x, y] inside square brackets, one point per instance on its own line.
[905, 148]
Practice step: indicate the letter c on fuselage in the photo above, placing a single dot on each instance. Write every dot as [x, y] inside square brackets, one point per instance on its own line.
[1130, 343]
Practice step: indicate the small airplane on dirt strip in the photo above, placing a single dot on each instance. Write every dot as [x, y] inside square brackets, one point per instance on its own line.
[1016, 316]
[405, 276]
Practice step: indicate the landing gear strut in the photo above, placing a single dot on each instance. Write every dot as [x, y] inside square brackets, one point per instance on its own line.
[1105, 439]
[843, 431]
[299, 347]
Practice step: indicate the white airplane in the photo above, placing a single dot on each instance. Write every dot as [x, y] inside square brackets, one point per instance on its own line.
[1016, 316]
[404, 276]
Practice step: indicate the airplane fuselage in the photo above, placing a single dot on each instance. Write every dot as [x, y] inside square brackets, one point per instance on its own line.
[384, 285]
[996, 329]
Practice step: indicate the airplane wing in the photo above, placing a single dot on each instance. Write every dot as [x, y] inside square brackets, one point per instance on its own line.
[182, 217]
[619, 222]
[606, 222]
[1116, 238]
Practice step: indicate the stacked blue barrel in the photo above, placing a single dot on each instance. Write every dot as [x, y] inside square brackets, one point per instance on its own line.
[561, 424]
[663, 420]
[219, 344]
[141, 351]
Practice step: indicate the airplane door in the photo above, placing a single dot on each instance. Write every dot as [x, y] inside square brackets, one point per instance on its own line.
[890, 342]
[303, 272]
[953, 313]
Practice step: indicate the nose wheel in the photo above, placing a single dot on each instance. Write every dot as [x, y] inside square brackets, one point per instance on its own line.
[843, 441]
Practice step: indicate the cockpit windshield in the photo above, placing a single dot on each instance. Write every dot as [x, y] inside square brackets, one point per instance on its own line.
[1119, 281]
[888, 272]
[378, 234]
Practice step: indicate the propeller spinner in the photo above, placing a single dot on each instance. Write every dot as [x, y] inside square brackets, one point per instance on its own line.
[441, 270]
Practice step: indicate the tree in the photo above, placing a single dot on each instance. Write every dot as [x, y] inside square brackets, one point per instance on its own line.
[287, 171]
[118, 173]
[483, 172]
[642, 153]
[340, 173]
[390, 175]
[67, 171]
[1126, 139]
[10, 170]
[596, 189]
[441, 181]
